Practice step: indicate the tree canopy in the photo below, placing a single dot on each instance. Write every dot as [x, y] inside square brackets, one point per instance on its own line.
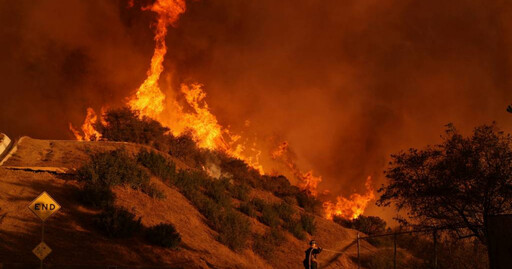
[456, 184]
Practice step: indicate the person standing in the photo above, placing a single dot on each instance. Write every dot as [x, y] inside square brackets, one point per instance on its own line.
[310, 262]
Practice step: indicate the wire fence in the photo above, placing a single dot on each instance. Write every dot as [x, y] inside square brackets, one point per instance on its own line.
[431, 246]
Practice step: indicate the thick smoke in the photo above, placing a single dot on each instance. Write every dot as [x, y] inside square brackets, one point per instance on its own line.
[346, 83]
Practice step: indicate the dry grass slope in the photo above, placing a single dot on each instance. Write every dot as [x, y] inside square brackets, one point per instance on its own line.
[71, 235]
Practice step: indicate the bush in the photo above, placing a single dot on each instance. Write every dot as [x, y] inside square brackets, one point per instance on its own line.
[184, 147]
[125, 124]
[308, 223]
[113, 168]
[97, 196]
[265, 245]
[217, 190]
[269, 216]
[117, 223]
[239, 191]
[285, 211]
[308, 202]
[164, 235]
[235, 230]
[158, 165]
[240, 171]
[291, 200]
[191, 180]
[153, 191]
[369, 225]
[295, 228]
[248, 209]
[259, 204]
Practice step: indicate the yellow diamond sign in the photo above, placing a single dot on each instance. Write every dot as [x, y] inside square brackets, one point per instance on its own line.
[44, 206]
[42, 250]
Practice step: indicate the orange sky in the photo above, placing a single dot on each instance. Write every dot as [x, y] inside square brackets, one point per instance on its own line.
[346, 83]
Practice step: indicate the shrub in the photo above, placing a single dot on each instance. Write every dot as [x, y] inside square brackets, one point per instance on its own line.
[153, 191]
[158, 165]
[308, 223]
[291, 200]
[259, 204]
[295, 228]
[117, 223]
[285, 211]
[113, 168]
[248, 209]
[217, 190]
[368, 225]
[308, 202]
[265, 245]
[239, 191]
[97, 196]
[235, 230]
[164, 235]
[125, 124]
[184, 147]
[269, 216]
[240, 171]
[191, 180]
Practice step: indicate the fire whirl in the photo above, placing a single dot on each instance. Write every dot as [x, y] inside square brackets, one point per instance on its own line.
[195, 117]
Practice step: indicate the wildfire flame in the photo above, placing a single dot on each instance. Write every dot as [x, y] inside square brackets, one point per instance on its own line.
[89, 131]
[352, 207]
[197, 119]
[307, 181]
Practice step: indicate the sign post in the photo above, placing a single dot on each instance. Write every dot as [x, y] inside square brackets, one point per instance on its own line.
[43, 207]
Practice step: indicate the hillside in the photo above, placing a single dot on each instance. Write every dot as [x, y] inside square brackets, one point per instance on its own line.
[49, 165]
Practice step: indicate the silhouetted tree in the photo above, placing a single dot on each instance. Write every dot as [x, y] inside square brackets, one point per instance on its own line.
[456, 184]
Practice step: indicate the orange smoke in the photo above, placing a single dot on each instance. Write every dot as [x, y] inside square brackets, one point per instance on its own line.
[194, 116]
[350, 208]
[89, 131]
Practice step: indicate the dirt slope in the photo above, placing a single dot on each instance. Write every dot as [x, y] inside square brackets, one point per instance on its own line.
[74, 241]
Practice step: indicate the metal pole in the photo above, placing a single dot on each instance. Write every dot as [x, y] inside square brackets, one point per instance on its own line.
[42, 240]
[394, 253]
[435, 249]
[358, 253]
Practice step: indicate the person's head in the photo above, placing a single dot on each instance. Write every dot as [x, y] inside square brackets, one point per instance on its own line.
[312, 243]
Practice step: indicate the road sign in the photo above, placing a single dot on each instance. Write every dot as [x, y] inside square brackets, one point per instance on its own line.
[44, 206]
[42, 250]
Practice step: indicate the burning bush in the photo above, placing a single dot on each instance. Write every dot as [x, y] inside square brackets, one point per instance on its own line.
[164, 235]
[117, 223]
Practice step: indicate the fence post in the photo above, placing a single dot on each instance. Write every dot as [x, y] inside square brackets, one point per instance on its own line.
[394, 253]
[435, 248]
[358, 253]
